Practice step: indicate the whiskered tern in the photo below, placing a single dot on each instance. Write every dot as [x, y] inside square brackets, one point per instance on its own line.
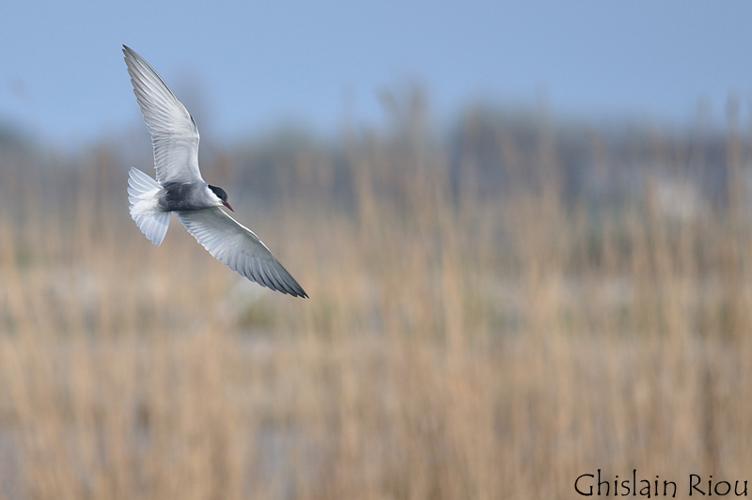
[180, 188]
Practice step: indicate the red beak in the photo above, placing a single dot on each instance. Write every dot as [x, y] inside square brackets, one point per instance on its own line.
[228, 206]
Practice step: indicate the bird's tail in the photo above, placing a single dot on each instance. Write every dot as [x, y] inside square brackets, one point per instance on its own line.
[143, 192]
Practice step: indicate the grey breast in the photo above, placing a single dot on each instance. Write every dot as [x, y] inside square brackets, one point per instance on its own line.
[179, 196]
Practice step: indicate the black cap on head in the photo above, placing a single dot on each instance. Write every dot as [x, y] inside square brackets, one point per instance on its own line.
[221, 194]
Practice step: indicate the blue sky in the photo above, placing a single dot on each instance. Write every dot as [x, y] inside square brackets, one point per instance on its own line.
[250, 65]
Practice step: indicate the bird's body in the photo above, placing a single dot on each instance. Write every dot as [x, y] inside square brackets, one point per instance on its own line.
[184, 196]
[179, 188]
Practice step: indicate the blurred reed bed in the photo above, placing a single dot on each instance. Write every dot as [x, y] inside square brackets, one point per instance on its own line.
[471, 333]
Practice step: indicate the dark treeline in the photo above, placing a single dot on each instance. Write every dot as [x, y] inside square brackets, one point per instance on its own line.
[486, 152]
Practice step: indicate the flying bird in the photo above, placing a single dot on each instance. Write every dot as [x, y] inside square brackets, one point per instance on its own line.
[180, 188]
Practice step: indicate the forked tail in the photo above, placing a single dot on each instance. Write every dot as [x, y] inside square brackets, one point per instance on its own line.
[143, 200]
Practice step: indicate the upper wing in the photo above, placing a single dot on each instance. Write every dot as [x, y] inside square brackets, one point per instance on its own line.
[174, 135]
[239, 248]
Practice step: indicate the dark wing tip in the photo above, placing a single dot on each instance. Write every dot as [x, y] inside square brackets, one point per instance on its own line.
[288, 285]
[291, 285]
[282, 281]
[299, 292]
[272, 275]
[132, 56]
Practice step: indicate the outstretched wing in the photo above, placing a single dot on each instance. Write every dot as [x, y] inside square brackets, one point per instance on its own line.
[239, 248]
[174, 135]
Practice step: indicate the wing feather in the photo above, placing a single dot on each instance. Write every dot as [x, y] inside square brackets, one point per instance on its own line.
[240, 249]
[174, 136]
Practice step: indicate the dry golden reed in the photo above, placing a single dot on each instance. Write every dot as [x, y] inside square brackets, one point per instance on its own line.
[456, 344]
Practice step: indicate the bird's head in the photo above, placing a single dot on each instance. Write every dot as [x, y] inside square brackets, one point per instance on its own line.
[222, 195]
